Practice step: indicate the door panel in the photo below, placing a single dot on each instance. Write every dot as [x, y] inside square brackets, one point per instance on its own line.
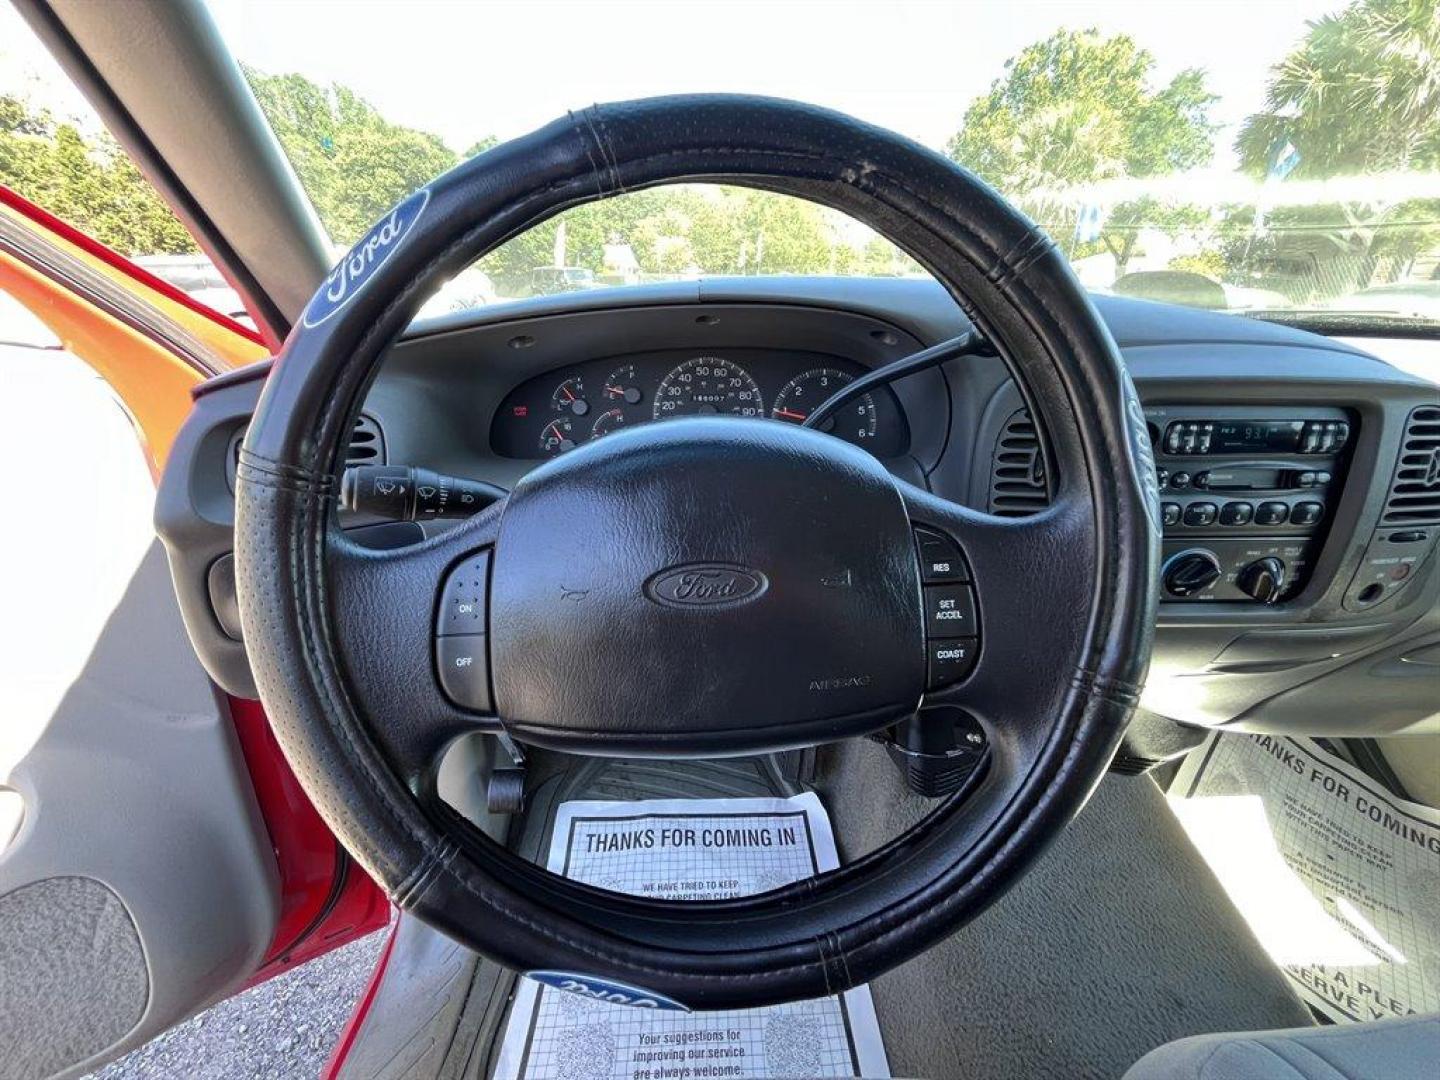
[141, 884]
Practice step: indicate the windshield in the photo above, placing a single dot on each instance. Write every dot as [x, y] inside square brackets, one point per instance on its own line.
[1256, 156]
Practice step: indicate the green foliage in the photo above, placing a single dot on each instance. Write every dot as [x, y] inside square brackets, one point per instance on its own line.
[1361, 93]
[1077, 108]
[353, 163]
[91, 184]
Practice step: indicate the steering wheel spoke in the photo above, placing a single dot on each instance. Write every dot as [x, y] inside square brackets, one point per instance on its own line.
[418, 617]
[1018, 603]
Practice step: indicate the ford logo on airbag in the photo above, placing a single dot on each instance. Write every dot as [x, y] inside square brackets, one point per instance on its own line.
[705, 585]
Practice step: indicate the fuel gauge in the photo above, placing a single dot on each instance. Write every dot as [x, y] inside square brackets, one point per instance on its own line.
[622, 386]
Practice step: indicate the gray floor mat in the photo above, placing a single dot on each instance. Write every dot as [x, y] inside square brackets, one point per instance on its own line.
[1119, 940]
[439, 1014]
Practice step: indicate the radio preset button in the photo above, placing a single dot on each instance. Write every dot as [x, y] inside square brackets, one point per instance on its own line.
[1200, 514]
[1306, 513]
[1180, 480]
[1271, 513]
[1236, 513]
[1170, 513]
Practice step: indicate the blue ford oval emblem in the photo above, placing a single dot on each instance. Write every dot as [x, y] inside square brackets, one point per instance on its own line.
[359, 265]
[705, 585]
[606, 990]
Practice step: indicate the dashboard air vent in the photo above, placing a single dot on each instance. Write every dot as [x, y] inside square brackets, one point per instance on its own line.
[1018, 485]
[1414, 497]
[367, 444]
[367, 447]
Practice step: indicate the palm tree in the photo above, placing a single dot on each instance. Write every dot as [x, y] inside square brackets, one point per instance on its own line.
[1361, 93]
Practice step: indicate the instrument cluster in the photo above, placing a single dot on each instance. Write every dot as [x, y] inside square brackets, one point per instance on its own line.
[551, 413]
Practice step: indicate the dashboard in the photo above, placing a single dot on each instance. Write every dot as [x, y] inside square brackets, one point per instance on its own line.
[554, 412]
[1299, 474]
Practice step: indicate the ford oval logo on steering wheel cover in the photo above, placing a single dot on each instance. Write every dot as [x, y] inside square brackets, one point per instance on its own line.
[704, 584]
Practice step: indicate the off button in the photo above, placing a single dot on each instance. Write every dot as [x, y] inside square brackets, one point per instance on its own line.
[949, 611]
[464, 669]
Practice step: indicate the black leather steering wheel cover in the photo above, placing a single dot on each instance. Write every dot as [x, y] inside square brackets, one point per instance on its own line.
[895, 902]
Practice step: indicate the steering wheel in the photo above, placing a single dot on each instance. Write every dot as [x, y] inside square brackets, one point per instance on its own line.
[803, 617]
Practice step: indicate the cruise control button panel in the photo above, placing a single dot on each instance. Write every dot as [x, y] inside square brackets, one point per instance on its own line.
[462, 658]
[952, 623]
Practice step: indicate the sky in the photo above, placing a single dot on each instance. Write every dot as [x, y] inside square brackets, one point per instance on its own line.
[465, 70]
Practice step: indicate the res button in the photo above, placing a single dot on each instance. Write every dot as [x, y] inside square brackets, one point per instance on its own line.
[940, 558]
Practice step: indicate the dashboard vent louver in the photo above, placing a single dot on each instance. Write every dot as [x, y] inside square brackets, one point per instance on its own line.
[367, 447]
[367, 443]
[1414, 497]
[1018, 483]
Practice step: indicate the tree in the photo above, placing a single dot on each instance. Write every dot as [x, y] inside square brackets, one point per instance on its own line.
[353, 163]
[1078, 108]
[1360, 93]
[90, 182]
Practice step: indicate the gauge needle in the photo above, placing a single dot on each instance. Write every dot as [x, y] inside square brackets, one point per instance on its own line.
[618, 390]
[790, 414]
[568, 392]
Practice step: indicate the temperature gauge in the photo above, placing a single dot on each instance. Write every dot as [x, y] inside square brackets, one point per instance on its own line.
[608, 421]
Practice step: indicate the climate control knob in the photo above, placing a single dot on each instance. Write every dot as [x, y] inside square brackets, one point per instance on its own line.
[1190, 572]
[1264, 579]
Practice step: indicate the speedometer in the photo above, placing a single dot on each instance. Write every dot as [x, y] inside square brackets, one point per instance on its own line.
[708, 385]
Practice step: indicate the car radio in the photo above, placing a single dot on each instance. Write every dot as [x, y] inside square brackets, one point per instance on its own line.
[1246, 497]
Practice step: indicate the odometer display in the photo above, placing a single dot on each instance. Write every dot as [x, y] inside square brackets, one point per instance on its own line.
[708, 386]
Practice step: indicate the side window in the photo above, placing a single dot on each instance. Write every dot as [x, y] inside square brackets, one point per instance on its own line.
[55, 152]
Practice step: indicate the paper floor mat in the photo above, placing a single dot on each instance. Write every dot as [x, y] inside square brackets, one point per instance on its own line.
[1339, 879]
[689, 849]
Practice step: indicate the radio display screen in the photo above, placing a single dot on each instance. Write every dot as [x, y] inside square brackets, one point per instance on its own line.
[1238, 437]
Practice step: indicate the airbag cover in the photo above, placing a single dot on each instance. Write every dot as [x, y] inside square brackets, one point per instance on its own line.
[751, 585]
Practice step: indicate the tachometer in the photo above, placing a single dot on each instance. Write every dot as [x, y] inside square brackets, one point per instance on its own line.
[799, 397]
[708, 385]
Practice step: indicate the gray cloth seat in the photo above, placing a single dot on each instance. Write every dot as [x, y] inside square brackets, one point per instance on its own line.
[1404, 1049]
